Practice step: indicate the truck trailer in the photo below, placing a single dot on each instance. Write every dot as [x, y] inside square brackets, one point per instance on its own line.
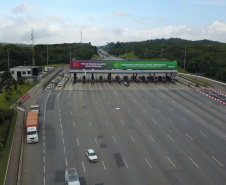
[32, 127]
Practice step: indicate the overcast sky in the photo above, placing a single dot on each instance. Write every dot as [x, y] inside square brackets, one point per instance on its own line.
[102, 21]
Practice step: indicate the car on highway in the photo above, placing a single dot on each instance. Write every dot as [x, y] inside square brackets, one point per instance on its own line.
[71, 177]
[91, 155]
[59, 84]
[48, 87]
[53, 81]
[126, 84]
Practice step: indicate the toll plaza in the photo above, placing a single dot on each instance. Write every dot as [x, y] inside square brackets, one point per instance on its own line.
[153, 69]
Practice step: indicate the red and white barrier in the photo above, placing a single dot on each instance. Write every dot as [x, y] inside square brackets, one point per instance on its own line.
[211, 97]
[217, 92]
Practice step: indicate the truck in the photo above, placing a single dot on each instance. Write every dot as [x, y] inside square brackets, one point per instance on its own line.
[32, 127]
[35, 108]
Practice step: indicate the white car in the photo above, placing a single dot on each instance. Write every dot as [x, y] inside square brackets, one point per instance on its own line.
[59, 85]
[48, 87]
[91, 155]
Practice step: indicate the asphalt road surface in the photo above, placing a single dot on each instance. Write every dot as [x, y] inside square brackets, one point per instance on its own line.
[142, 134]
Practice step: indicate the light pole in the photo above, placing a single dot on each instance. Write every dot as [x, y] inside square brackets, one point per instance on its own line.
[24, 63]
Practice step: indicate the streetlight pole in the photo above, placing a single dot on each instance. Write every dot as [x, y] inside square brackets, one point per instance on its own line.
[24, 63]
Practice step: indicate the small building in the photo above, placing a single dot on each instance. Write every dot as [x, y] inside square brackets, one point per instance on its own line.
[29, 73]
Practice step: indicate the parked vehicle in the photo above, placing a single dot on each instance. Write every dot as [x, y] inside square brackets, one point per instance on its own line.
[59, 84]
[32, 127]
[48, 87]
[71, 177]
[35, 108]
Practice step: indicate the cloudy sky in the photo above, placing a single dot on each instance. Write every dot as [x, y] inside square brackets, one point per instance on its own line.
[102, 21]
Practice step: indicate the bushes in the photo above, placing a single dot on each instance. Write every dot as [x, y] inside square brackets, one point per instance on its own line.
[5, 120]
[4, 131]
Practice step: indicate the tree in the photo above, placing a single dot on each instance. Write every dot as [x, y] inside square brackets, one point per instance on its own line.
[7, 82]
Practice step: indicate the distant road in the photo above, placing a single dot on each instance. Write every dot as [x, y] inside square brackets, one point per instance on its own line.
[219, 86]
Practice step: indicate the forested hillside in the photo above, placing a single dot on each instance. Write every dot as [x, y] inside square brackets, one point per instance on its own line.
[207, 58]
[57, 53]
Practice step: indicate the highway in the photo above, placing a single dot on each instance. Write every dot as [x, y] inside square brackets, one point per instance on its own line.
[142, 134]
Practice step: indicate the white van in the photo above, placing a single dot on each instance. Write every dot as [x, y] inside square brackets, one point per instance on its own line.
[71, 177]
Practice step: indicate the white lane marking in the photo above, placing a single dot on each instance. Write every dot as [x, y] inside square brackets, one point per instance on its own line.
[129, 110]
[170, 109]
[59, 114]
[147, 162]
[64, 150]
[114, 139]
[61, 125]
[44, 159]
[151, 138]
[95, 140]
[44, 180]
[134, 100]
[170, 120]
[154, 121]
[125, 163]
[184, 119]
[132, 138]
[122, 102]
[114, 110]
[43, 132]
[90, 123]
[193, 162]
[93, 94]
[157, 109]
[62, 132]
[69, 103]
[170, 137]
[60, 119]
[77, 142]
[83, 103]
[59, 110]
[106, 123]
[43, 144]
[116, 92]
[83, 167]
[43, 138]
[45, 106]
[223, 135]
[108, 102]
[86, 112]
[171, 162]
[74, 124]
[144, 110]
[71, 113]
[138, 122]
[100, 112]
[69, 94]
[44, 151]
[95, 102]
[44, 169]
[189, 137]
[66, 161]
[218, 122]
[103, 165]
[62, 140]
[203, 134]
[217, 161]
[122, 122]
[202, 121]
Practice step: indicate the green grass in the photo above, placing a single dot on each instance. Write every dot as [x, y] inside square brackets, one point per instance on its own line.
[6, 151]
[95, 56]
[15, 96]
[128, 55]
[195, 80]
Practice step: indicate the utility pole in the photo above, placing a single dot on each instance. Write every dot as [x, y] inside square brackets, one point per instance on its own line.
[8, 59]
[33, 50]
[47, 56]
[184, 58]
[161, 51]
